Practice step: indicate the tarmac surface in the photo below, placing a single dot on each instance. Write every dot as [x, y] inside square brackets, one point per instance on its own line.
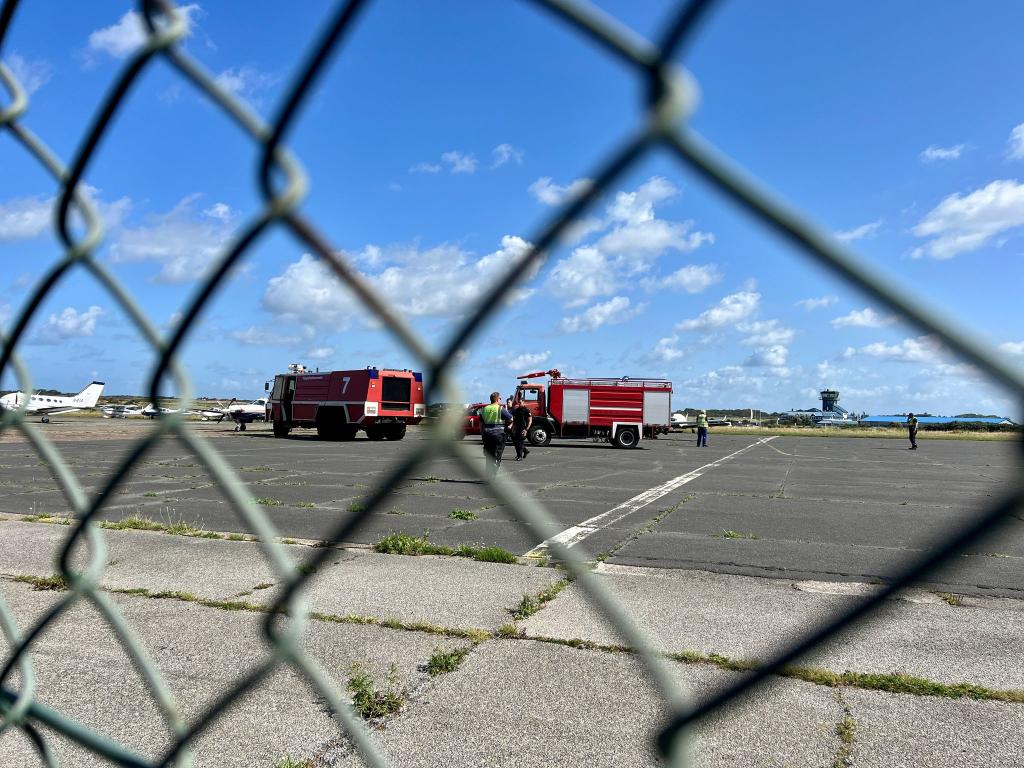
[934, 674]
[830, 509]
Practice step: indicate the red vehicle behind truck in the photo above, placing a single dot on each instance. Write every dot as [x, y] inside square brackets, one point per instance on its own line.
[621, 411]
[381, 402]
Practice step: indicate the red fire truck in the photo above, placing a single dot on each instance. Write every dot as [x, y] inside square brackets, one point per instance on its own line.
[380, 402]
[622, 411]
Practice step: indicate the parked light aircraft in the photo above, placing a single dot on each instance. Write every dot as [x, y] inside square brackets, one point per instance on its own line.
[685, 421]
[120, 411]
[50, 405]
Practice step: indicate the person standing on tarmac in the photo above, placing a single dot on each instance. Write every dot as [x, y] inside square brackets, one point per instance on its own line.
[493, 419]
[912, 431]
[521, 421]
[702, 430]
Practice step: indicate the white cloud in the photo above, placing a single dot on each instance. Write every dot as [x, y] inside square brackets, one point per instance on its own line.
[456, 162]
[184, 243]
[637, 243]
[633, 240]
[612, 312]
[1012, 347]
[69, 324]
[923, 349]
[246, 82]
[1015, 149]
[773, 356]
[24, 218]
[459, 162]
[864, 318]
[441, 281]
[504, 154]
[120, 39]
[320, 353]
[692, 278]
[667, 349]
[765, 333]
[32, 74]
[731, 309]
[859, 233]
[933, 153]
[963, 223]
[817, 303]
[582, 276]
[638, 206]
[526, 360]
[545, 191]
[264, 337]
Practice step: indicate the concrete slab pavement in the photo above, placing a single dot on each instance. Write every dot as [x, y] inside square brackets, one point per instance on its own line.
[552, 705]
[83, 672]
[923, 732]
[436, 590]
[749, 618]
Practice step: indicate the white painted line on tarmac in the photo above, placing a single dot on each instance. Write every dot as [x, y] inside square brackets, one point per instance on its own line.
[577, 533]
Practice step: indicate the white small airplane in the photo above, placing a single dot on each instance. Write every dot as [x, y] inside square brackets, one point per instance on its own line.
[240, 413]
[684, 421]
[51, 405]
[121, 411]
[152, 411]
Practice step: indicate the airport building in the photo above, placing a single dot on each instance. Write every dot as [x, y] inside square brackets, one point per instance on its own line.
[830, 413]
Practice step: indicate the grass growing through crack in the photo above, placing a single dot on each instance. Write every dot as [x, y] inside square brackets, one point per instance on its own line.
[404, 544]
[462, 514]
[846, 730]
[55, 583]
[138, 523]
[442, 662]
[530, 604]
[950, 598]
[371, 703]
[738, 535]
[266, 501]
[288, 762]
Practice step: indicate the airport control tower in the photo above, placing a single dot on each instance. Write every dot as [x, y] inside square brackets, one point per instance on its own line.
[829, 398]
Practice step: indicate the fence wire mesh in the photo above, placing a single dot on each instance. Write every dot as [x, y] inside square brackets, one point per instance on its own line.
[670, 99]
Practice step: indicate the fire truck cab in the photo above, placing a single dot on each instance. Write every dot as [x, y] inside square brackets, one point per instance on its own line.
[621, 411]
[379, 401]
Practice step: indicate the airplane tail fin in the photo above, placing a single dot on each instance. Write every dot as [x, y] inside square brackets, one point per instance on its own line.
[89, 396]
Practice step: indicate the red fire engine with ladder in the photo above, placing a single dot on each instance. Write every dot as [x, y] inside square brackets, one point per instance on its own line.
[621, 411]
[381, 402]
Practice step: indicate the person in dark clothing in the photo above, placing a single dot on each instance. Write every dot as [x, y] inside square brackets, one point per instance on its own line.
[912, 431]
[521, 421]
[494, 417]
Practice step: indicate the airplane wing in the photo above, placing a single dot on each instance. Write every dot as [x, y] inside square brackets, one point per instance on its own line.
[53, 410]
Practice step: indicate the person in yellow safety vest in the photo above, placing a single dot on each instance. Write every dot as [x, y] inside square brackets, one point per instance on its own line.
[702, 430]
[912, 431]
[494, 417]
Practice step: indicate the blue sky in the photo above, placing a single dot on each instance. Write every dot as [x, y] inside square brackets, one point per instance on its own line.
[444, 133]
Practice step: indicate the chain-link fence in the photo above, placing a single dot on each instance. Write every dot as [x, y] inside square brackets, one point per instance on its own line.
[670, 98]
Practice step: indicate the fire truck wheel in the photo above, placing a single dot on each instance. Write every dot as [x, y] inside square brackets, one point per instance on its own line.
[625, 438]
[280, 429]
[539, 436]
[375, 433]
[346, 432]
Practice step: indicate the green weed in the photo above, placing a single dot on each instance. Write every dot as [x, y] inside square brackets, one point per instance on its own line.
[442, 662]
[370, 703]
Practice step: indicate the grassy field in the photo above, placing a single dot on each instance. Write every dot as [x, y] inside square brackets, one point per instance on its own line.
[891, 433]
